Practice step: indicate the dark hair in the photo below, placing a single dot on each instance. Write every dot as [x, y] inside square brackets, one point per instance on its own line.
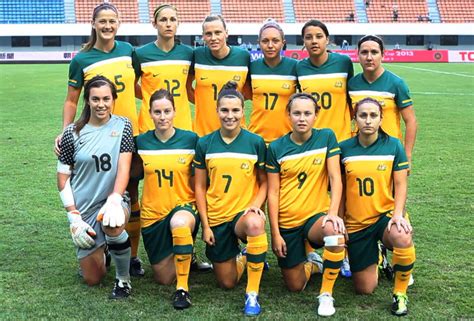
[214, 17]
[162, 94]
[93, 37]
[271, 23]
[375, 38]
[229, 90]
[370, 100]
[95, 82]
[302, 96]
[315, 23]
[161, 7]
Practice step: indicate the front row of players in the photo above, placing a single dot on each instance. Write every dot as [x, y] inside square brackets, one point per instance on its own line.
[222, 181]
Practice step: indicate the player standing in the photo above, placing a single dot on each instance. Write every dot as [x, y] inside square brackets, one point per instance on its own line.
[216, 64]
[300, 166]
[231, 187]
[375, 167]
[93, 171]
[273, 82]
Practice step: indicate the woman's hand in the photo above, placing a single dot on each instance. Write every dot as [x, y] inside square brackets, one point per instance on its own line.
[337, 222]
[401, 223]
[257, 211]
[208, 236]
[279, 246]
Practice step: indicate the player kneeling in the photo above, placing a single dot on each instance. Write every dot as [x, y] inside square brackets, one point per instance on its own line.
[93, 172]
[375, 167]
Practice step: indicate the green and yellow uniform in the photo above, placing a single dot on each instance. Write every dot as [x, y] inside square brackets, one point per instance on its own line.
[211, 74]
[328, 84]
[232, 173]
[167, 70]
[304, 177]
[167, 169]
[369, 179]
[271, 89]
[116, 65]
[392, 93]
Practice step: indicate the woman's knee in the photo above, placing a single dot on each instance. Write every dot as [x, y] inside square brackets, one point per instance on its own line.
[254, 225]
[365, 288]
[227, 283]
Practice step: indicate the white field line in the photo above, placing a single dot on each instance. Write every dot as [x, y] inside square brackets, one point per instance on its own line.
[438, 93]
[433, 71]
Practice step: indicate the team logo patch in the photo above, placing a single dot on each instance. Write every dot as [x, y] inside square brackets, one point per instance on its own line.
[317, 161]
[245, 166]
[338, 84]
[181, 160]
[285, 86]
[236, 78]
[129, 66]
[114, 133]
[185, 71]
[381, 167]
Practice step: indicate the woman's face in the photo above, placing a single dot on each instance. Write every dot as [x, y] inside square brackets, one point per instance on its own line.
[166, 23]
[214, 35]
[368, 118]
[101, 103]
[230, 113]
[302, 115]
[370, 56]
[271, 43]
[162, 113]
[315, 41]
[106, 24]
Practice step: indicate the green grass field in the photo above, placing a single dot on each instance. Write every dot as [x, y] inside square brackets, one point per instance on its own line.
[38, 269]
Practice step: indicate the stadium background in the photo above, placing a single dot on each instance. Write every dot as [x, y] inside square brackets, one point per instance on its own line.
[38, 270]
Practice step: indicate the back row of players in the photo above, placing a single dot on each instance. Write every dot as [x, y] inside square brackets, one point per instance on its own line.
[299, 165]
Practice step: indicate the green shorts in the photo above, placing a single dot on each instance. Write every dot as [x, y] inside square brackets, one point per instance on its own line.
[157, 238]
[226, 242]
[362, 246]
[294, 239]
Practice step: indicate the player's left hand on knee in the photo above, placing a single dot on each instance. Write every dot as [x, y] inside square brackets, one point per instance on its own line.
[112, 214]
[401, 223]
[257, 211]
[337, 222]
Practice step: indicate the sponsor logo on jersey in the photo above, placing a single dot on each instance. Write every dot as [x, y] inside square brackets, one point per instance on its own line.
[338, 84]
[146, 164]
[204, 78]
[114, 133]
[349, 171]
[236, 78]
[382, 167]
[181, 160]
[156, 75]
[317, 161]
[81, 142]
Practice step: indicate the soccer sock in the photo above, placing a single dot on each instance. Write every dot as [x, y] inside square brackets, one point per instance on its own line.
[119, 248]
[310, 269]
[257, 247]
[241, 263]
[331, 265]
[133, 228]
[183, 250]
[402, 261]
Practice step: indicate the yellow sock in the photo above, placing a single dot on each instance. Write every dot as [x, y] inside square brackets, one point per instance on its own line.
[257, 247]
[183, 250]
[241, 261]
[402, 261]
[331, 265]
[133, 228]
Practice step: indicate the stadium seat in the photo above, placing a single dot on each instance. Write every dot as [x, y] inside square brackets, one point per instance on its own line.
[408, 11]
[188, 11]
[325, 10]
[456, 11]
[252, 11]
[32, 11]
[128, 10]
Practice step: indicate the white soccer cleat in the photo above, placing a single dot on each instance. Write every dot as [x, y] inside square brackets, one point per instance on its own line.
[316, 260]
[326, 305]
[411, 281]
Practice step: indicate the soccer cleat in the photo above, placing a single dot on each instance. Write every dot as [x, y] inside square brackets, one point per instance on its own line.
[346, 268]
[326, 305]
[399, 304]
[108, 258]
[181, 300]
[266, 265]
[411, 281]
[252, 307]
[136, 268]
[384, 264]
[199, 266]
[121, 290]
[317, 261]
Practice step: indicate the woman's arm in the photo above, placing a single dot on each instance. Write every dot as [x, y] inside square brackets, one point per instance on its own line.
[123, 173]
[200, 189]
[334, 173]
[278, 244]
[189, 88]
[400, 183]
[411, 126]
[70, 105]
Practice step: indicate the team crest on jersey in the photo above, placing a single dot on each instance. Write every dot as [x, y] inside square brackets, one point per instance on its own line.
[114, 133]
[245, 166]
[317, 161]
[338, 84]
[381, 167]
[285, 86]
[129, 66]
[236, 78]
[185, 71]
[181, 160]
